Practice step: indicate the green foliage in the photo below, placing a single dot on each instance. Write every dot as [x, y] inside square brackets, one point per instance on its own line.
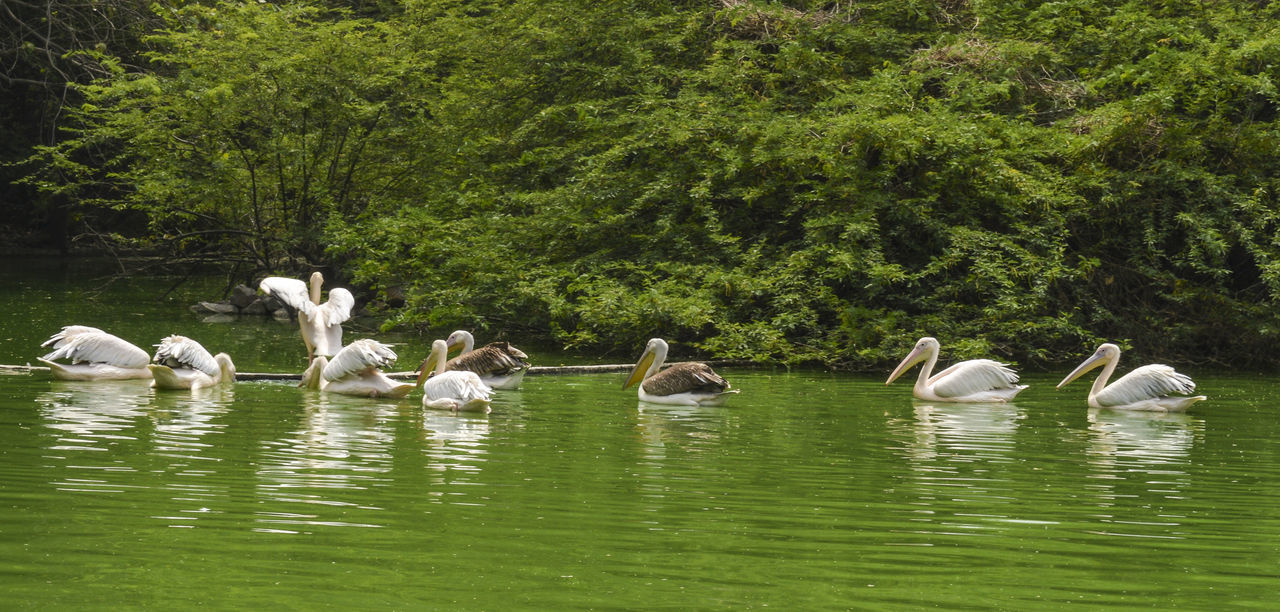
[254, 126]
[797, 181]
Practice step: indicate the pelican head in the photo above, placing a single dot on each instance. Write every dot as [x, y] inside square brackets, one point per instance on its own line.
[924, 348]
[458, 339]
[1106, 353]
[655, 353]
[317, 283]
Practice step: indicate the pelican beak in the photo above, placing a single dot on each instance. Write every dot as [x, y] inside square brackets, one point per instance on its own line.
[638, 372]
[453, 344]
[1096, 360]
[423, 372]
[915, 356]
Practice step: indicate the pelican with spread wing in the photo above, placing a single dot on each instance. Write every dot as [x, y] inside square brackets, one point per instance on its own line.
[1154, 387]
[356, 370]
[975, 380]
[457, 390]
[94, 355]
[182, 363]
[683, 384]
[321, 323]
[500, 365]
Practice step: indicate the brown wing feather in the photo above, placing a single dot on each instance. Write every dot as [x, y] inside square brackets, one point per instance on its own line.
[495, 358]
[685, 377]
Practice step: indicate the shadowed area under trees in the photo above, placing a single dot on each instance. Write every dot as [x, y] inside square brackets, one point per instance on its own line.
[805, 182]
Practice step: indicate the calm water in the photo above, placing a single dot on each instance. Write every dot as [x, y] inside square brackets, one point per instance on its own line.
[809, 490]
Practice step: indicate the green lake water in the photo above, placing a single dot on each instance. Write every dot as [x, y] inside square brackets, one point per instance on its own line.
[809, 490]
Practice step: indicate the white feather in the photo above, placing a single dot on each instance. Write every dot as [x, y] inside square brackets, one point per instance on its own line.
[973, 376]
[291, 291]
[1146, 382]
[183, 352]
[456, 385]
[359, 357]
[68, 332]
[80, 344]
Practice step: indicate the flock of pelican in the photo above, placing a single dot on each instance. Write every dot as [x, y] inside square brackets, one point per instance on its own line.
[466, 382]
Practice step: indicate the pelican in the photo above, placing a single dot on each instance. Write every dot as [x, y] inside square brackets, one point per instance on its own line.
[456, 390]
[500, 365]
[94, 355]
[975, 380]
[181, 363]
[356, 370]
[683, 384]
[1150, 387]
[321, 323]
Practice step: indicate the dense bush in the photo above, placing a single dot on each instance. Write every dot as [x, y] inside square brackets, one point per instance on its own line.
[798, 181]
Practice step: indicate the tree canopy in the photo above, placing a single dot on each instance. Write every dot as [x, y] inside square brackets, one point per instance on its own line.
[799, 181]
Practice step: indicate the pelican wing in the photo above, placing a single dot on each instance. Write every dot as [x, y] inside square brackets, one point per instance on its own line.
[973, 376]
[183, 352]
[291, 291]
[457, 385]
[96, 346]
[495, 358]
[685, 377]
[337, 309]
[357, 357]
[1144, 383]
[68, 332]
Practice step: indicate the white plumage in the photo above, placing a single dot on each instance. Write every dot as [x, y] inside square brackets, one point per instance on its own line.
[321, 324]
[356, 370]
[456, 390]
[1154, 387]
[94, 355]
[182, 363]
[975, 380]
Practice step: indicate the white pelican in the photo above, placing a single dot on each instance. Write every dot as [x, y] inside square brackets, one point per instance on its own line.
[456, 390]
[321, 323]
[94, 355]
[975, 380]
[683, 384]
[1150, 387]
[356, 370]
[181, 363]
[500, 365]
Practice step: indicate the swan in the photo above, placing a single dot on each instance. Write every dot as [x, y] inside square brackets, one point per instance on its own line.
[455, 390]
[1150, 387]
[500, 365]
[683, 384]
[181, 363]
[321, 324]
[356, 370]
[975, 380]
[94, 355]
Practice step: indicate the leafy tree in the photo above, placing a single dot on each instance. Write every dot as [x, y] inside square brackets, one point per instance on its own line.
[800, 181]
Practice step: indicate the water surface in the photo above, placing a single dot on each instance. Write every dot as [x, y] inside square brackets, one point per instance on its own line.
[808, 490]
